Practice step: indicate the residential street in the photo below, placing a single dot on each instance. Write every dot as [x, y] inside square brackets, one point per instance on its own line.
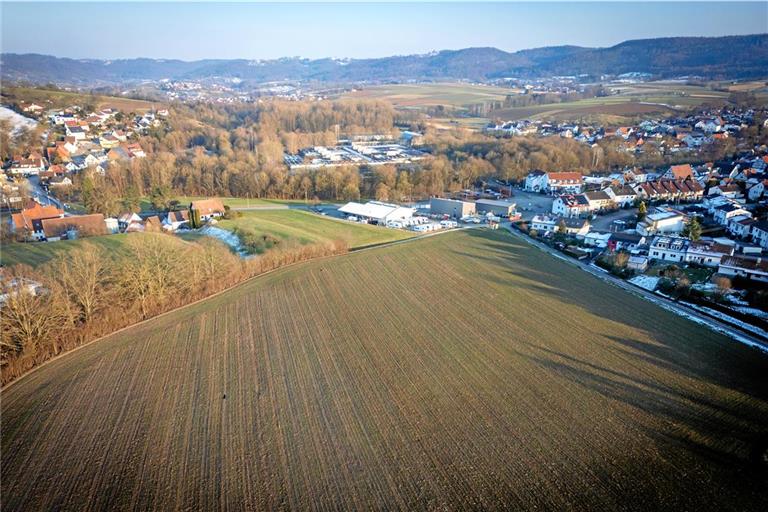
[40, 195]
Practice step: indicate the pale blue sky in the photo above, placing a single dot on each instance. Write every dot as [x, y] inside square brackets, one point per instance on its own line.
[241, 30]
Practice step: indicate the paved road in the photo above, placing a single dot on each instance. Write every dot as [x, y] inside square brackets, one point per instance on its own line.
[40, 195]
[739, 334]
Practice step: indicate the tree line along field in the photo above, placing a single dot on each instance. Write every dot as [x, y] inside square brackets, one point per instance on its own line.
[461, 371]
[305, 227]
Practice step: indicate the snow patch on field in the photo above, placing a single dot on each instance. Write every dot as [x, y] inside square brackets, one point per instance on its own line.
[759, 313]
[645, 282]
[727, 318]
[225, 236]
[17, 121]
[740, 339]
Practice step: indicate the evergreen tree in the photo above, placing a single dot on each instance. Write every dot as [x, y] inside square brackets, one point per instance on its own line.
[692, 229]
[642, 211]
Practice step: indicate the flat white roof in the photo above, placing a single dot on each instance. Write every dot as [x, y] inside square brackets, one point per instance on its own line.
[376, 210]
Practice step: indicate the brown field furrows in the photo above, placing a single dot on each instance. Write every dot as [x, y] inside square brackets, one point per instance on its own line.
[465, 371]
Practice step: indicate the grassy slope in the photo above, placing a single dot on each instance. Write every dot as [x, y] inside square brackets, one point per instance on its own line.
[460, 371]
[309, 227]
[37, 253]
[234, 202]
[60, 99]
[297, 225]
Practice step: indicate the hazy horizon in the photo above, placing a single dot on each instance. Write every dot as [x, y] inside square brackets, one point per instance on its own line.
[194, 31]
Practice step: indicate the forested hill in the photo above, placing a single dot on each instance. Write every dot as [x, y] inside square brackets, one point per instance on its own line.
[708, 57]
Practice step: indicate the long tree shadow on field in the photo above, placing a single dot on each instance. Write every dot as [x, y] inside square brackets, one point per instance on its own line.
[728, 435]
[700, 354]
[731, 434]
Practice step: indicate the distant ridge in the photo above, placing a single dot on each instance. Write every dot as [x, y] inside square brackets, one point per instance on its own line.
[730, 57]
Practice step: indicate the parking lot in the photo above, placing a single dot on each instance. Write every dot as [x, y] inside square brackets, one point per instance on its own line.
[531, 203]
[603, 222]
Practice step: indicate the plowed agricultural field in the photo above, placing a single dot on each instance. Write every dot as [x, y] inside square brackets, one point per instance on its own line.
[461, 371]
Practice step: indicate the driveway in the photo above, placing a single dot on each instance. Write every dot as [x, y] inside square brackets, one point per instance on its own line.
[603, 222]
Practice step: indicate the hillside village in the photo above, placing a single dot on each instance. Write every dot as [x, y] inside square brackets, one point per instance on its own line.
[712, 215]
[682, 134]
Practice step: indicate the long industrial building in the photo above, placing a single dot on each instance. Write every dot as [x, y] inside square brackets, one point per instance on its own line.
[378, 212]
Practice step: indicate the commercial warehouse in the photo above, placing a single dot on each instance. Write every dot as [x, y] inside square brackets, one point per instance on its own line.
[452, 207]
[377, 212]
[498, 208]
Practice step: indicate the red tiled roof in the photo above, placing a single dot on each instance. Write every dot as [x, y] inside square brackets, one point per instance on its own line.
[85, 225]
[24, 219]
[208, 206]
[680, 172]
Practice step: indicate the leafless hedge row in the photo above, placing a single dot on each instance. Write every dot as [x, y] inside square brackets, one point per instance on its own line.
[89, 293]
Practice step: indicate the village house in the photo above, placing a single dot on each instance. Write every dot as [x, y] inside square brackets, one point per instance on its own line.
[759, 233]
[751, 268]
[637, 175]
[32, 108]
[757, 190]
[668, 248]
[57, 153]
[76, 132]
[545, 224]
[76, 226]
[740, 226]
[126, 219]
[118, 153]
[27, 223]
[59, 182]
[175, 220]
[637, 263]
[536, 181]
[668, 190]
[208, 208]
[663, 220]
[32, 165]
[570, 205]
[707, 252]
[731, 191]
[134, 150]
[599, 200]
[679, 172]
[623, 196]
[564, 183]
[722, 214]
[713, 202]
[597, 239]
[153, 224]
[629, 242]
[108, 141]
